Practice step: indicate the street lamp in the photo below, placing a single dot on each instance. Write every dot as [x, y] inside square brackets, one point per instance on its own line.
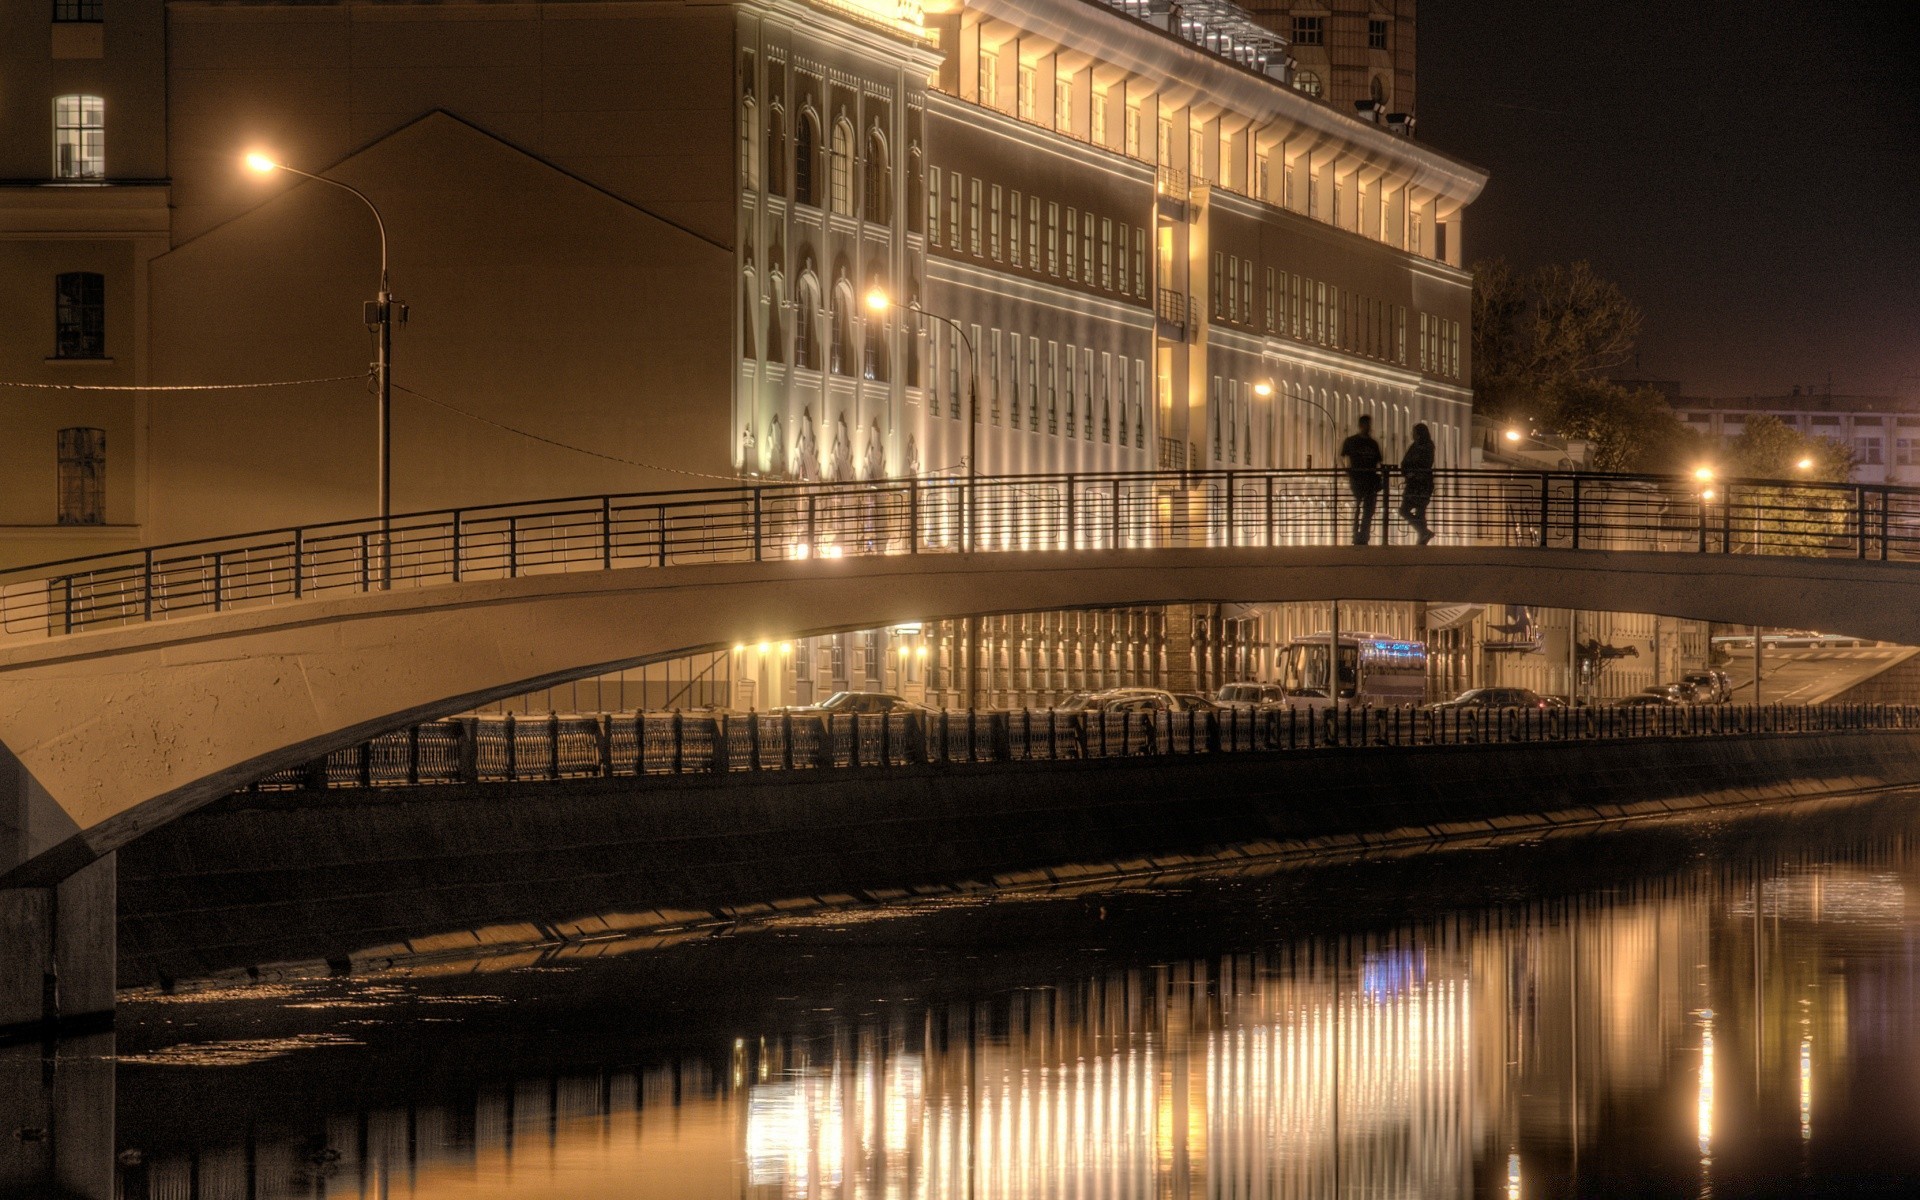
[879, 302]
[380, 315]
[1805, 464]
[1264, 388]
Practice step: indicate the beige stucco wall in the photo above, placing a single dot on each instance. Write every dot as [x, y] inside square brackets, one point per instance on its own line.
[536, 301]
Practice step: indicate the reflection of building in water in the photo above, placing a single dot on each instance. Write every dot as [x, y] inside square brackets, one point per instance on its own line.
[1466, 1055]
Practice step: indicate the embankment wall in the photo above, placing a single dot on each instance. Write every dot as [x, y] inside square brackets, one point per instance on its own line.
[359, 877]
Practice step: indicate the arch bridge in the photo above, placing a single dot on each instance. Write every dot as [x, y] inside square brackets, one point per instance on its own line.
[137, 686]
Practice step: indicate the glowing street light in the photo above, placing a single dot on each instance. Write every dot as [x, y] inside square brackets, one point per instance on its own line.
[1805, 464]
[1513, 435]
[380, 314]
[1703, 474]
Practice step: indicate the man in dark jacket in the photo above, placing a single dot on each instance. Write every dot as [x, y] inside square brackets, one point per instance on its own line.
[1416, 482]
[1363, 457]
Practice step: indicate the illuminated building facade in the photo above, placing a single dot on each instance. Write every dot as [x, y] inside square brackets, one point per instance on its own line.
[1157, 250]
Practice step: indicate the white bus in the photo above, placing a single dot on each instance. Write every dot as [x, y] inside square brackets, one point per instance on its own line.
[1376, 670]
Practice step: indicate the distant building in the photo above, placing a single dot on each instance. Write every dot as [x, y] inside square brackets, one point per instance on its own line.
[1348, 50]
[1883, 431]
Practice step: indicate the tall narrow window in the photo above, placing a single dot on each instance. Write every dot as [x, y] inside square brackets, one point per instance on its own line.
[776, 151]
[973, 218]
[840, 348]
[806, 153]
[1073, 361]
[842, 169]
[953, 211]
[1139, 262]
[1106, 254]
[1033, 232]
[1013, 229]
[1033, 384]
[993, 380]
[1053, 388]
[879, 181]
[80, 315]
[993, 223]
[933, 206]
[82, 476]
[79, 137]
[1053, 238]
[750, 145]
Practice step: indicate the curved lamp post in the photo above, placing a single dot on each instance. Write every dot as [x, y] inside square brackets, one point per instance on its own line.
[879, 302]
[380, 315]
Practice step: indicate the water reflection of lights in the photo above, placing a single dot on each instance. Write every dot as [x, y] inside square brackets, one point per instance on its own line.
[1513, 1177]
[1705, 1105]
[1806, 1084]
[1833, 895]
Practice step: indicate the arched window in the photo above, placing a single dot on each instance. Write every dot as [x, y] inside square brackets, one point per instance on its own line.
[916, 191]
[913, 337]
[776, 300]
[873, 360]
[879, 190]
[806, 155]
[776, 151]
[750, 145]
[79, 315]
[749, 323]
[842, 168]
[79, 137]
[806, 346]
[1306, 81]
[840, 349]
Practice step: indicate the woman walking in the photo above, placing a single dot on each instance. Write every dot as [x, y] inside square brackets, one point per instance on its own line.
[1416, 476]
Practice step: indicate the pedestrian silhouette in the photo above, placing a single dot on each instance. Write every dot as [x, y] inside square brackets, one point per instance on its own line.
[1416, 482]
[1363, 477]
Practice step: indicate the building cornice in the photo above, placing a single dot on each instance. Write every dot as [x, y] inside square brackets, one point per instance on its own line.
[1030, 291]
[1082, 154]
[1134, 45]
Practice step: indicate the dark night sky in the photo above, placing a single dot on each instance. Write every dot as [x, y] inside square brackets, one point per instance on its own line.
[1746, 172]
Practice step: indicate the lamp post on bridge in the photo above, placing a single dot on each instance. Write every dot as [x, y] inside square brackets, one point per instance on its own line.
[879, 302]
[380, 314]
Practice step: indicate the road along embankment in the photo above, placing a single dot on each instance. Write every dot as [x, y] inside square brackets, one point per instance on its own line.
[354, 879]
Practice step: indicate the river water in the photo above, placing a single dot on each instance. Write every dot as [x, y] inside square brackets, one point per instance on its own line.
[1722, 1009]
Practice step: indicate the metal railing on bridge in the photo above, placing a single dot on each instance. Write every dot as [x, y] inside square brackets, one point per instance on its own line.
[573, 746]
[1119, 511]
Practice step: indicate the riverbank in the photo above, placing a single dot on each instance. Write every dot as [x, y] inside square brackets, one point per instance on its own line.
[353, 879]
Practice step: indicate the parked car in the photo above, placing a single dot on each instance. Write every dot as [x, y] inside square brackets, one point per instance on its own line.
[1130, 699]
[1195, 702]
[1660, 695]
[860, 702]
[1709, 686]
[1251, 695]
[1495, 697]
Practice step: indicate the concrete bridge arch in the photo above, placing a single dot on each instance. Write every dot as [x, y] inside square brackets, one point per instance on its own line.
[107, 734]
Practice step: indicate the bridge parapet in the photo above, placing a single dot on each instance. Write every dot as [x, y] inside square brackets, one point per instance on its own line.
[638, 745]
[1001, 514]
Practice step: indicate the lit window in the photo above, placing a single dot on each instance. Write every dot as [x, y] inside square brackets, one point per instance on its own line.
[993, 223]
[79, 137]
[82, 476]
[879, 181]
[842, 172]
[1306, 81]
[80, 315]
[973, 218]
[1309, 31]
[806, 165]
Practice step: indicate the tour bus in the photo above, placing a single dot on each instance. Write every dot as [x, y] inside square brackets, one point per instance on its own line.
[1376, 670]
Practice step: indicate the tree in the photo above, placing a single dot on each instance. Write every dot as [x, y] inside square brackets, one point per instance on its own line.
[1770, 449]
[1631, 430]
[1534, 333]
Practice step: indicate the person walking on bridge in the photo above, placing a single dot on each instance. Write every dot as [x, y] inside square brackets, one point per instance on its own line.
[1363, 458]
[1416, 482]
